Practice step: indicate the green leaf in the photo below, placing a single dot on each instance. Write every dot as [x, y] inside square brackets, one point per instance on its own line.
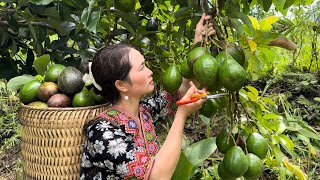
[266, 5]
[254, 91]
[60, 43]
[192, 156]
[288, 3]
[237, 25]
[255, 64]
[244, 18]
[16, 83]
[205, 119]
[309, 134]
[4, 37]
[286, 141]
[63, 11]
[269, 101]
[93, 21]
[199, 151]
[272, 116]
[266, 24]
[278, 154]
[129, 17]
[306, 2]
[41, 2]
[281, 128]
[182, 29]
[269, 55]
[40, 64]
[127, 27]
[13, 24]
[279, 4]
[13, 48]
[184, 168]
[262, 130]
[252, 97]
[182, 13]
[306, 83]
[264, 38]
[33, 32]
[317, 99]
[84, 16]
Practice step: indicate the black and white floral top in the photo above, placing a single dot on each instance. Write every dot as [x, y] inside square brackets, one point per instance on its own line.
[120, 146]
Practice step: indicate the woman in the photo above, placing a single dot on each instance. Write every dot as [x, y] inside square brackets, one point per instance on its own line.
[121, 141]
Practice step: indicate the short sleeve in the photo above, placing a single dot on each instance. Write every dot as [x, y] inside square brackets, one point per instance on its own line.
[161, 104]
[109, 153]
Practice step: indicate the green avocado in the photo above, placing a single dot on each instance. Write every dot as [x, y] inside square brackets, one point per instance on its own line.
[172, 79]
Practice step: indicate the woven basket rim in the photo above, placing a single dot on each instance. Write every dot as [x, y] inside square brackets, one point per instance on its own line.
[64, 108]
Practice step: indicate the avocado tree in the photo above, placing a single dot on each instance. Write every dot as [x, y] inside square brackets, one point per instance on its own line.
[68, 32]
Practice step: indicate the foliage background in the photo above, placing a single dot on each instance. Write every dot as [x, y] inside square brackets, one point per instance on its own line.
[70, 31]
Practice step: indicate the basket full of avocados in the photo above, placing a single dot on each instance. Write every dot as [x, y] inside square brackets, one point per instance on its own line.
[52, 140]
[53, 112]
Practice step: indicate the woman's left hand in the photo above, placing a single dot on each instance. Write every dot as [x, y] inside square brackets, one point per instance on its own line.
[201, 28]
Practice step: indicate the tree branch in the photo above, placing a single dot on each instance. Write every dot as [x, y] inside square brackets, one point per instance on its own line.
[25, 24]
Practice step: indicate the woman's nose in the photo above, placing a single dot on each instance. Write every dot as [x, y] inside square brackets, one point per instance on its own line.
[150, 72]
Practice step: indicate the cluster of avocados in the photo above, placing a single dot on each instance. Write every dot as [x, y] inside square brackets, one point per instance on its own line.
[61, 87]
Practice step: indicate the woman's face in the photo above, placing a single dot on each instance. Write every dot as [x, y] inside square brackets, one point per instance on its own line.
[140, 76]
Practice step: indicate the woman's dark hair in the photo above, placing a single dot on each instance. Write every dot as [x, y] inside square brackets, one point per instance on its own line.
[109, 64]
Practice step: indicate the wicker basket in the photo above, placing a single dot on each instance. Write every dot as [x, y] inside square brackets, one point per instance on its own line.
[52, 140]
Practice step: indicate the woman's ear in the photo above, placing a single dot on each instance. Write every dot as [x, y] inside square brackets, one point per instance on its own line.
[121, 86]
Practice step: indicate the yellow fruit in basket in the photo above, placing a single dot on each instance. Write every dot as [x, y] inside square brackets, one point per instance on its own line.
[38, 104]
[59, 100]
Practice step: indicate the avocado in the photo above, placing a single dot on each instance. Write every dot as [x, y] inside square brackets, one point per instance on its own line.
[172, 79]
[59, 100]
[29, 91]
[232, 75]
[70, 81]
[46, 90]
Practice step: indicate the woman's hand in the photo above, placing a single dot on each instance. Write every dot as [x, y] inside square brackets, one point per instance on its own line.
[187, 109]
[201, 28]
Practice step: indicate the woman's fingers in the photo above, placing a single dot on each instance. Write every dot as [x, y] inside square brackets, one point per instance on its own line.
[211, 30]
[201, 21]
[207, 17]
[190, 92]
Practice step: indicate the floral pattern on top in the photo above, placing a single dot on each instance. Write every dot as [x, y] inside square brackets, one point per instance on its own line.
[161, 105]
[120, 146]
